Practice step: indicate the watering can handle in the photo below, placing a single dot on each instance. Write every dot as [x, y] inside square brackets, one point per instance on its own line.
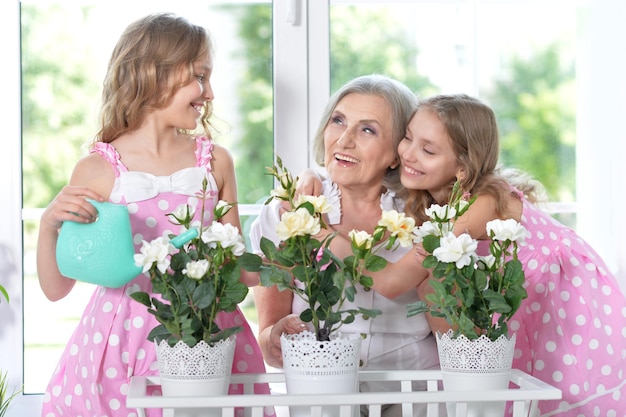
[184, 237]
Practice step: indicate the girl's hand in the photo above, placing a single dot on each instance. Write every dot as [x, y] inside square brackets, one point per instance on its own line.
[309, 183]
[71, 205]
[420, 253]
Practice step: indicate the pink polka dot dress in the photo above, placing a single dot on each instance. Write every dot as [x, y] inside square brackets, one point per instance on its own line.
[110, 343]
[571, 330]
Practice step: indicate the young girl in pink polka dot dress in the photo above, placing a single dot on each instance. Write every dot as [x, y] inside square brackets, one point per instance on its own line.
[571, 330]
[156, 88]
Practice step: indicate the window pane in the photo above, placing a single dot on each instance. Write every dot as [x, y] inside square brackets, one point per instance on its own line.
[518, 56]
[527, 73]
[65, 50]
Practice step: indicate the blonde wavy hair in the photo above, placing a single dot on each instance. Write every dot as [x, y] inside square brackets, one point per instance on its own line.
[151, 52]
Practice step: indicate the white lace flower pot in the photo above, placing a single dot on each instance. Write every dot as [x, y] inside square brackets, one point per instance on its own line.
[203, 370]
[480, 364]
[313, 367]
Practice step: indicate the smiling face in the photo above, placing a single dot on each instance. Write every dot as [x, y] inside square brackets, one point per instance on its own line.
[358, 141]
[428, 159]
[188, 102]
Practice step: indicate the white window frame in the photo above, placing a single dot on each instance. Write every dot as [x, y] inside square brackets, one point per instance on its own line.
[301, 88]
[11, 317]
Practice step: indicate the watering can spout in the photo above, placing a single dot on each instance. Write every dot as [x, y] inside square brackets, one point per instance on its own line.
[184, 237]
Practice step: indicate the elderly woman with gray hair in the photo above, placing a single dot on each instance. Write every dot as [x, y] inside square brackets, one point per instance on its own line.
[355, 143]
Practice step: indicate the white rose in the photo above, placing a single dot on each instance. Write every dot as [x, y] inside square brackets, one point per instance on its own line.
[196, 269]
[361, 239]
[426, 229]
[221, 208]
[458, 249]
[504, 230]
[488, 261]
[440, 213]
[320, 203]
[285, 182]
[181, 212]
[398, 225]
[297, 223]
[226, 235]
[280, 193]
[157, 251]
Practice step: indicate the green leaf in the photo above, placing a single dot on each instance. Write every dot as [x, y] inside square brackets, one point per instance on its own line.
[375, 263]
[141, 297]
[250, 262]
[159, 333]
[366, 281]
[467, 327]
[431, 243]
[497, 302]
[306, 316]
[236, 292]
[271, 276]
[224, 334]
[480, 280]
[417, 307]
[308, 206]
[204, 295]
[350, 293]
[4, 293]
[430, 262]
[5, 398]
[513, 272]
[369, 312]
[268, 248]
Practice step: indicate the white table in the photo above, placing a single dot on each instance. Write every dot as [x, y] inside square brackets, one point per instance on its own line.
[529, 390]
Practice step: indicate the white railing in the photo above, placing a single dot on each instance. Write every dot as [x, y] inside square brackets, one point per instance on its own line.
[524, 395]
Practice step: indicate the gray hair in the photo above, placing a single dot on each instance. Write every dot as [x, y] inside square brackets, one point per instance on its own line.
[401, 99]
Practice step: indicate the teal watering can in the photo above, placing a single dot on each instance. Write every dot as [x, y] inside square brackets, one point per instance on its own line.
[102, 252]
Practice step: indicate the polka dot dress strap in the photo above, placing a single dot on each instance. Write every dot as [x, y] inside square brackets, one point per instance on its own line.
[204, 149]
[110, 154]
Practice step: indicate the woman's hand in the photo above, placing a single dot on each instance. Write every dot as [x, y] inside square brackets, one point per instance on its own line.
[272, 351]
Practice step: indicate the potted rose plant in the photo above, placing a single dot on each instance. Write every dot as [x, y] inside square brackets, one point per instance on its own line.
[477, 295]
[326, 359]
[305, 265]
[195, 277]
